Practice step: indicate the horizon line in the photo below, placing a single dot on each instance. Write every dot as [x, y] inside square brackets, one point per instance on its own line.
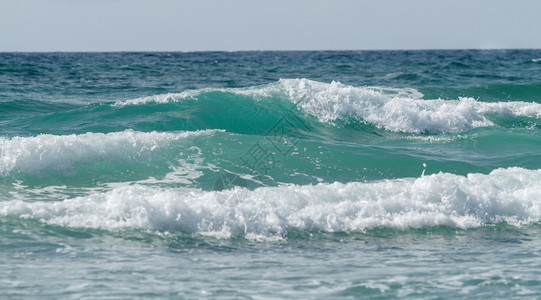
[296, 50]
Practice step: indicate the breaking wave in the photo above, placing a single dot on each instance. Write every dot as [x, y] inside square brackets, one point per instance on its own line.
[509, 195]
[393, 109]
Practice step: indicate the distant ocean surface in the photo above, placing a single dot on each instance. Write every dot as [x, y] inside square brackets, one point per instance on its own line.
[271, 175]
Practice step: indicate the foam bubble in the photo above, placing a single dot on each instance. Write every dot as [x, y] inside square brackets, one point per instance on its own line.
[505, 195]
[63, 152]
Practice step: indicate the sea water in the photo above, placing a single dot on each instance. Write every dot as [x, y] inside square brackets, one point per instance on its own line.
[342, 174]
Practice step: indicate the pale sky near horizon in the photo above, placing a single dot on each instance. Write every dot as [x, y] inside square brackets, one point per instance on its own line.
[168, 25]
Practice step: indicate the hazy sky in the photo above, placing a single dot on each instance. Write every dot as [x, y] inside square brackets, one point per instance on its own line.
[187, 25]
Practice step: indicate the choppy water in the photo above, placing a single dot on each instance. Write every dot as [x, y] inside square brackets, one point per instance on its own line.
[371, 174]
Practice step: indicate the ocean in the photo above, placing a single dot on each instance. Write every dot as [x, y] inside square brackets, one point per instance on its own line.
[271, 175]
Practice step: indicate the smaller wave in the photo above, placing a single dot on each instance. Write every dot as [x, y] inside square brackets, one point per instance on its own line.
[505, 195]
[536, 60]
[63, 153]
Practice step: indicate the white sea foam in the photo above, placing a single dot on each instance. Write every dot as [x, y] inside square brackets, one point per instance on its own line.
[441, 138]
[64, 152]
[403, 111]
[505, 195]
[161, 98]
[257, 93]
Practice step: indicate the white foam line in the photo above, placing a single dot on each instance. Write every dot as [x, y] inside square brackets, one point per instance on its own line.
[256, 92]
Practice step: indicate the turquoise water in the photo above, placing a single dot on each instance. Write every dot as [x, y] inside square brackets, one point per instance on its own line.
[367, 174]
